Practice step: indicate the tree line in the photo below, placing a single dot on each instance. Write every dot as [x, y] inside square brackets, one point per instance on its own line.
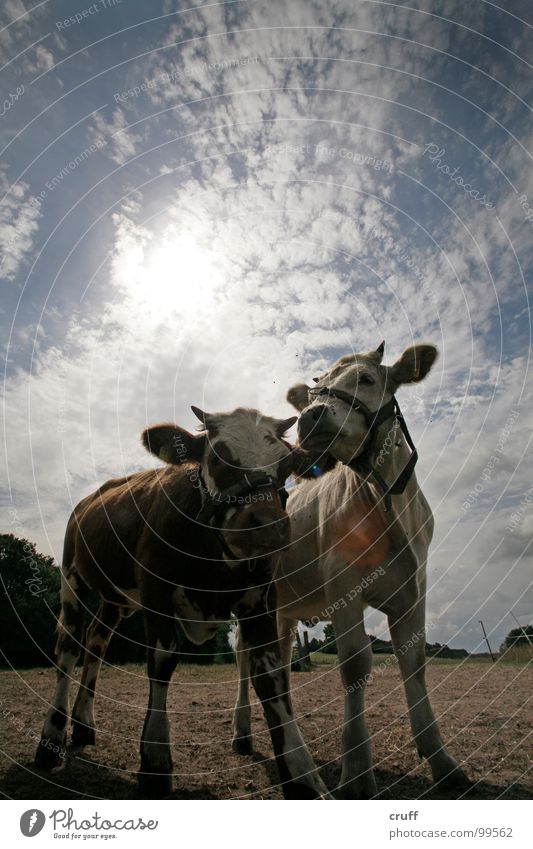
[30, 604]
[29, 598]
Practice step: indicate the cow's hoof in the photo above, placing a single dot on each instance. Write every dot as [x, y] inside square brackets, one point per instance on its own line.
[294, 790]
[50, 754]
[154, 785]
[82, 735]
[242, 745]
[456, 779]
[359, 788]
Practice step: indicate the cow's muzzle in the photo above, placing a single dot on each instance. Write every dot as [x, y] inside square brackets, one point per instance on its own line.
[258, 530]
[313, 432]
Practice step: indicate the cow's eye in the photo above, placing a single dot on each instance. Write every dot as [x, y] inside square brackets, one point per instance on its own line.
[366, 380]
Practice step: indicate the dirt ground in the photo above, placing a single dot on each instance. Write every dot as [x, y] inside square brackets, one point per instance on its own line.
[485, 713]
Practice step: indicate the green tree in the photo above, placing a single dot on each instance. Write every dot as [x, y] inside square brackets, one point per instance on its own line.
[30, 604]
[29, 598]
[330, 640]
[522, 636]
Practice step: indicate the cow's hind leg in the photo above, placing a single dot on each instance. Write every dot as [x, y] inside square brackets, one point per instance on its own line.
[408, 638]
[155, 776]
[97, 640]
[74, 592]
[286, 632]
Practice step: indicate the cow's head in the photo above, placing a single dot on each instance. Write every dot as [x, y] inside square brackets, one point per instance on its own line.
[232, 449]
[328, 425]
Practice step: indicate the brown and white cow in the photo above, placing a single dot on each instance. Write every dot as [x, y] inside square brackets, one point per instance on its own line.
[360, 535]
[192, 542]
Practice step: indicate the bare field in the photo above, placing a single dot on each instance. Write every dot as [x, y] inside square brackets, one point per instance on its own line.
[485, 713]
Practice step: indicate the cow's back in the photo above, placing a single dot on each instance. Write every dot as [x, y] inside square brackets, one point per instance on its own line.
[116, 519]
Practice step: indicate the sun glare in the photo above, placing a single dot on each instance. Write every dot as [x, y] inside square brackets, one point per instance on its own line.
[177, 275]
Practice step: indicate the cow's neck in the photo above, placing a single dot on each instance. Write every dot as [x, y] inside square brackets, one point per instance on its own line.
[389, 462]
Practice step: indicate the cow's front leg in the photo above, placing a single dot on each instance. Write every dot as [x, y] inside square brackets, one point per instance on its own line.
[409, 641]
[155, 776]
[299, 778]
[355, 662]
[242, 715]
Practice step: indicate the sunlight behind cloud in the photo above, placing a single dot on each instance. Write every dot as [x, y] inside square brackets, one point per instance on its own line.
[174, 274]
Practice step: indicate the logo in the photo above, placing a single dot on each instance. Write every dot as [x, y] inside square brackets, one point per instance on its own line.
[32, 822]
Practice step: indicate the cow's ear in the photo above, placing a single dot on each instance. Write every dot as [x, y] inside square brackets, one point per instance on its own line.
[283, 425]
[377, 355]
[414, 364]
[173, 444]
[298, 396]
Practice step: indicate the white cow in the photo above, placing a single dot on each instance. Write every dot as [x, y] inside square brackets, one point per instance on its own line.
[360, 537]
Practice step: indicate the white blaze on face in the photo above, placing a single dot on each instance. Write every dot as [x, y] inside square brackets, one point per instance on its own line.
[250, 438]
[348, 427]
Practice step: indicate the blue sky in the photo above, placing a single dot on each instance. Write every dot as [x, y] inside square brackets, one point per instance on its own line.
[212, 204]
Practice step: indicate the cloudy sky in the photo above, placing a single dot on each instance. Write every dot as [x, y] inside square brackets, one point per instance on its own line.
[207, 202]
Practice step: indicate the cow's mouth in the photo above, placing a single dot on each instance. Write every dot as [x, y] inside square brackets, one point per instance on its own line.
[260, 550]
[318, 442]
[250, 549]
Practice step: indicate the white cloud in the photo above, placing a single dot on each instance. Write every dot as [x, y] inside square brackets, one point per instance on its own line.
[120, 142]
[19, 223]
[44, 59]
[249, 260]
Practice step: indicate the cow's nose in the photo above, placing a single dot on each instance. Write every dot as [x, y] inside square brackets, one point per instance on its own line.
[316, 413]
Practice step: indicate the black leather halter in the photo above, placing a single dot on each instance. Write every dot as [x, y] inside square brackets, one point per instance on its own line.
[215, 506]
[361, 461]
